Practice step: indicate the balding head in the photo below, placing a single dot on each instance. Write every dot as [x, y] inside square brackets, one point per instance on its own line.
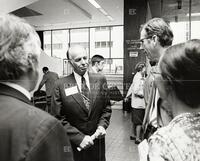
[78, 58]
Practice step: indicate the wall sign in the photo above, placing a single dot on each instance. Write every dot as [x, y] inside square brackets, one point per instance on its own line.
[133, 53]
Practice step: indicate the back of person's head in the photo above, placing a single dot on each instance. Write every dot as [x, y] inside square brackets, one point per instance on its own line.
[45, 69]
[139, 66]
[160, 28]
[97, 59]
[180, 68]
[19, 48]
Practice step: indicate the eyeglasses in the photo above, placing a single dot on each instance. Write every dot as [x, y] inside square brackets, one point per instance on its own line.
[142, 40]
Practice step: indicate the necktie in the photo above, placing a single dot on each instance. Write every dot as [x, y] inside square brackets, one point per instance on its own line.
[85, 93]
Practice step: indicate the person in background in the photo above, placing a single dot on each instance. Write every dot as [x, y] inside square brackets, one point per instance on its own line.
[48, 79]
[137, 101]
[156, 36]
[179, 84]
[82, 100]
[97, 63]
[27, 133]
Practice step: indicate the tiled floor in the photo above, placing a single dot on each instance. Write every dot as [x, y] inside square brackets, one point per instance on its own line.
[118, 145]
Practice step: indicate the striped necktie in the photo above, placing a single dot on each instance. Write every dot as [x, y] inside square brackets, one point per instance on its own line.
[85, 93]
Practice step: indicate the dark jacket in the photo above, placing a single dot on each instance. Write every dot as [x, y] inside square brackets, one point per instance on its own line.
[27, 133]
[49, 79]
[67, 101]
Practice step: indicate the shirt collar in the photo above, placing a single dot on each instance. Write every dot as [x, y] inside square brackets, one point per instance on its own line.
[18, 88]
[78, 79]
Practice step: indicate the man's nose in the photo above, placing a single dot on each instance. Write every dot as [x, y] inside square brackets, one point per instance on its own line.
[83, 61]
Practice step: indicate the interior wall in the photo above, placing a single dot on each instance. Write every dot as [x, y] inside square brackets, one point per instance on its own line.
[54, 65]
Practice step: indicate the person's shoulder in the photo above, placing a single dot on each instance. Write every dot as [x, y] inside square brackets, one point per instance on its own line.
[64, 78]
[29, 116]
[165, 134]
[37, 115]
[97, 75]
[138, 75]
[52, 73]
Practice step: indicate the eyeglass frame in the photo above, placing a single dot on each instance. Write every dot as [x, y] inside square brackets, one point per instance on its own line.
[142, 40]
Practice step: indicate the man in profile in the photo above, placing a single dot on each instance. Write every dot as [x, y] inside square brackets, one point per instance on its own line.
[156, 36]
[97, 63]
[48, 79]
[27, 133]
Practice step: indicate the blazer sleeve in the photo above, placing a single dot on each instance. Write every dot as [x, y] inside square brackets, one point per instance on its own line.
[50, 142]
[106, 112]
[74, 134]
[43, 81]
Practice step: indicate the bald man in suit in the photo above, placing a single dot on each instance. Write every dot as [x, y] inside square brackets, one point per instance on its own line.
[82, 100]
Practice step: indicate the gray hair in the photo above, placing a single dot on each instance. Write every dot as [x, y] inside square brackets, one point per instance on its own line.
[19, 48]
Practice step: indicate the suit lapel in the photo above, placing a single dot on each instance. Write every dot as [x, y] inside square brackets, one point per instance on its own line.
[8, 91]
[77, 97]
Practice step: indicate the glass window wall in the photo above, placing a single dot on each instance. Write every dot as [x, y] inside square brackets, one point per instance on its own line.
[60, 43]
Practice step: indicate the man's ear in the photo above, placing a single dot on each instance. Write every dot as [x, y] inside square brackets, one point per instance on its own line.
[155, 39]
[70, 62]
[96, 64]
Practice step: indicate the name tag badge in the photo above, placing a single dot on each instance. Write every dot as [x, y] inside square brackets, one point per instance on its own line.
[71, 91]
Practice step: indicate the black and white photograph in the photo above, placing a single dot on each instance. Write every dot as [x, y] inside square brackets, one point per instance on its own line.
[100, 80]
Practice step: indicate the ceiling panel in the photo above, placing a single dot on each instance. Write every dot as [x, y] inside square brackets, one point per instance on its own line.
[80, 13]
[75, 13]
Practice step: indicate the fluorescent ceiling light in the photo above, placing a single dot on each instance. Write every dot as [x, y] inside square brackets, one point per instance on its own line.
[103, 11]
[109, 17]
[94, 3]
[194, 14]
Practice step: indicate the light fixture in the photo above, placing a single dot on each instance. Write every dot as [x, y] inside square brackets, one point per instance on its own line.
[109, 17]
[103, 11]
[194, 14]
[94, 3]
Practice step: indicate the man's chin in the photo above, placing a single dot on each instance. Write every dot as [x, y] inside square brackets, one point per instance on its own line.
[81, 72]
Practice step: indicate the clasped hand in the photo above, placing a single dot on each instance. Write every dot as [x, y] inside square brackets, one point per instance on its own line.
[88, 140]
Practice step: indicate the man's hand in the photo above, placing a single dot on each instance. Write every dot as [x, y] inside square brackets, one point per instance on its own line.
[86, 142]
[100, 132]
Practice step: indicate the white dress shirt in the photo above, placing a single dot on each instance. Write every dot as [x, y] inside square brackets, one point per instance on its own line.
[78, 80]
[18, 88]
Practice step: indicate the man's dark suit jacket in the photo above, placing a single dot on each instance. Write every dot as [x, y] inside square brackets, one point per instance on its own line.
[49, 79]
[27, 133]
[67, 101]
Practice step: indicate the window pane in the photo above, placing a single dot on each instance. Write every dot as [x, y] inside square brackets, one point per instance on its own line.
[113, 66]
[99, 40]
[47, 42]
[195, 34]
[80, 37]
[60, 42]
[117, 50]
[67, 68]
[180, 31]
